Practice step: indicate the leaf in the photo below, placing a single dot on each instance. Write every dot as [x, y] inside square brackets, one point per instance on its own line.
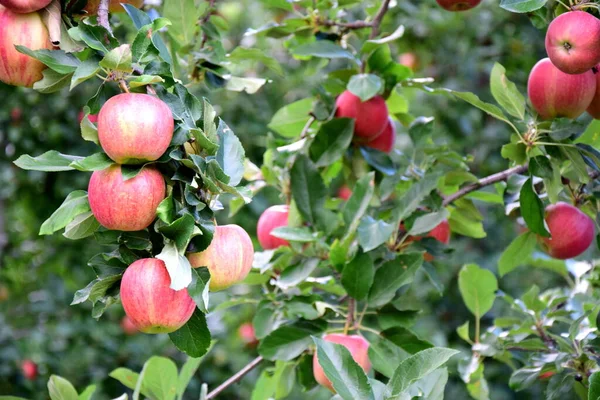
[118, 59]
[160, 378]
[522, 6]
[289, 120]
[303, 234]
[52, 81]
[488, 108]
[506, 93]
[188, 370]
[289, 341]
[517, 253]
[392, 275]
[61, 389]
[294, 275]
[76, 203]
[406, 340]
[357, 276]
[373, 233]
[532, 209]
[144, 80]
[95, 162]
[82, 226]
[198, 289]
[308, 190]
[413, 197]
[230, 154]
[86, 70]
[59, 61]
[184, 15]
[372, 44]
[358, 203]
[50, 161]
[241, 54]
[323, 49]
[427, 222]
[178, 266]
[332, 141]
[194, 337]
[365, 86]
[87, 393]
[478, 288]
[347, 377]
[594, 382]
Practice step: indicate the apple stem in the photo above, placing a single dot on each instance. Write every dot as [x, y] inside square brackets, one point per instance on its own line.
[350, 315]
[235, 378]
[123, 86]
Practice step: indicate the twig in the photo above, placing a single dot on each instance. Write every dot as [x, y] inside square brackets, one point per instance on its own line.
[378, 18]
[350, 315]
[103, 15]
[204, 19]
[235, 378]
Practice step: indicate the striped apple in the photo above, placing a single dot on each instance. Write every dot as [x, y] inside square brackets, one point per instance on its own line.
[24, 6]
[273, 217]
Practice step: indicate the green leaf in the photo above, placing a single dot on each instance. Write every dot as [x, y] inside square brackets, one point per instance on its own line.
[127, 377]
[365, 86]
[488, 108]
[86, 70]
[230, 154]
[532, 209]
[241, 54]
[373, 233]
[296, 274]
[541, 166]
[144, 80]
[357, 276]
[289, 120]
[82, 226]
[332, 141]
[194, 337]
[347, 377]
[95, 162]
[188, 370]
[522, 6]
[87, 393]
[289, 341]
[198, 289]
[52, 81]
[463, 332]
[160, 378]
[372, 44]
[308, 190]
[303, 234]
[506, 93]
[413, 197]
[478, 288]
[184, 15]
[517, 253]
[76, 203]
[94, 36]
[179, 231]
[50, 161]
[89, 131]
[57, 60]
[392, 275]
[358, 203]
[118, 59]
[61, 389]
[427, 222]
[178, 266]
[594, 391]
[323, 49]
[96, 289]
[406, 340]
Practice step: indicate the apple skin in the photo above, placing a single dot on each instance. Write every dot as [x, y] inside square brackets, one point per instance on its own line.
[273, 217]
[92, 117]
[370, 117]
[594, 107]
[386, 140]
[24, 6]
[128, 326]
[21, 29]
[134, 128]
[125, 205]
[572, 42]
[458, 5]
[409, 60]
[114, 6]
[441, 233]
[571, 229]
[556, 94]
[228, 257]
[247, 334]
[29, 369]
[358, 347]
[149, 302]
[344, 192]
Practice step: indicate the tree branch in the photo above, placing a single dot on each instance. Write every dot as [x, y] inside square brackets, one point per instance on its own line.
[103, 15]
[235, 378]
[378, 18]
[350, 315]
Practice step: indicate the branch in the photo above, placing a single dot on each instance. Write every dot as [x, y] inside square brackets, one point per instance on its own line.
[378, 18]
[103, 15]
[350, 315]
[235, 378]
[205, 19]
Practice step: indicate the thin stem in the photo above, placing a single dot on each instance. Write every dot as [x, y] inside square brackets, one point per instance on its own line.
[362, 314]
[235, 378]
[103, 15]
[366, 328]
[123, 86]
[350, 315]
[378, 18]
[477, 329]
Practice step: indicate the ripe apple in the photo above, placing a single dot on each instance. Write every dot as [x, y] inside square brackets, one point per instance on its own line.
[344, 192]
[149, 302]
[125, 205]
[594, 107]
[409, 60]
[246, 332]
[114, 6]
[370, 117]
[546, 375]
[128, 326]
[29, 369]
[21, 29]
[134, 128]
[358, 347]
[24, 6]
[572, 42]
[92, 117]
[228, 257]
[556, 94]
[273, 217]
[441, 233]
[572, 231]
[458, 5]
[386, 140]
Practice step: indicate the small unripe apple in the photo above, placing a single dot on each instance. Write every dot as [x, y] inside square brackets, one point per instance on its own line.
[125, 205]
[458, 5]
[247, 334]
[114, 6]
[273, 217]
[356, 345]
[29, 369]
[134, 128]
[26, 30]
[572, 42]
[594, 107]
[24, 6]
[128, 326]
[344, 192]
[228, 257]
[149, 302]
[409, 60]
[556, 94]
[386, 140]
[571, 230]
[370, 117]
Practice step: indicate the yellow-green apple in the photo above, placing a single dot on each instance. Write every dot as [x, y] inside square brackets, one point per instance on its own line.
[458, 5]
[149, 302]
[24, 6]
[29, 369]
[125, 205]
[128, 326]
[228, 257]
[572, 42]
[356, 345]
[556, 94]
[386, 140]
[26, 30]
[114, 6]
[344, 192]
[594, 107]
[571, 230]
[370, 117]
[273, 217]
[409, 60]
[134, 128]
[247, 334]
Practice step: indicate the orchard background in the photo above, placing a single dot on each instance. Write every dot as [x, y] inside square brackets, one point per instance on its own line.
[271, 71]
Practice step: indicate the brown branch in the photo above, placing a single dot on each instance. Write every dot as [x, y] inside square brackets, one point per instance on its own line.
[235, 378]
[103, 15]
[350, 315]
[378, 18]
[204, 19]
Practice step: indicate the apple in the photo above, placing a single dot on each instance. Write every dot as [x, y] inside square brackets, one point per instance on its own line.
[344, 192]
[572, 42]
[571, 230]
[228, 257]
[246, 333]
[29, 369]
[441, 232]
[149, 302]
[24, 6]
[114, 6]
[15, 115]
[358, 347]
[546, 375]
[21, 29]
[370, 117]
[128, 326]
[134, 128]
[458, 5]
[386, 140]
[594, 107]
[125, 205]
[409, 60]
[273, 217]
[556, 94]
[92, 117]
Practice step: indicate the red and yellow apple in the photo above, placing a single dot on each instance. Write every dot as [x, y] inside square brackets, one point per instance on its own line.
[370, 117]
[571, 230]
[556, 94]
[24, 6]
[149, 302]
[128, 326]
[458, 5]
[356, 345]
[26, 30]
[594, 107]
[386, 140]
[273, 217]
[228, 257]
[247, 334]
[126, 205]
[572, 42]
[29, 369]
[134, 128]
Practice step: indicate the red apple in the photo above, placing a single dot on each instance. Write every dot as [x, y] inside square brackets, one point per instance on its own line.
[386, 140]
[594, 108]
[92, 117]
[134, 128]
[29, 369]
[370, 117]
[572, 231]
[128, 326]
[409, 60]
[21, 29]
[246, 332]
[441, 233]
[344, 192]
[24, 6]
[572, 42]
[358, 347]
[228, 257]
[546, 375]
[114, 6]
[125, 205]
[458, 5]
[149, 302]
[273, 217]
[556, 94]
